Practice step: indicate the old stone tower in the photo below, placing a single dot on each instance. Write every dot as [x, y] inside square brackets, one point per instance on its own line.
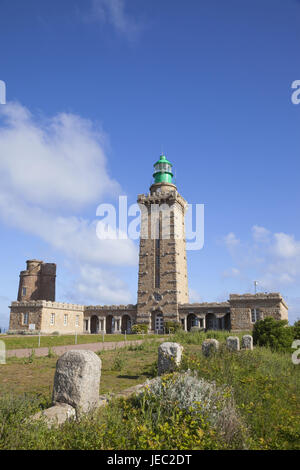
[162, 278]
[38, 281]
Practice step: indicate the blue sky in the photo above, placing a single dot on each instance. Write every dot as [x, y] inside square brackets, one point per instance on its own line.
[95, 90]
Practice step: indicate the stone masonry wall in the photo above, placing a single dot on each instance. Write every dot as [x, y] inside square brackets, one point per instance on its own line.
[40, 314]
[267, 305]
[37, 282]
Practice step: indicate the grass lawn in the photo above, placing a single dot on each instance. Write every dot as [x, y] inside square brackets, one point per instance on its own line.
[20, 342]
[265, 386]
[121, 369]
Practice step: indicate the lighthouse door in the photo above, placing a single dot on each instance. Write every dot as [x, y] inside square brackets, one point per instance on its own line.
[159, 323]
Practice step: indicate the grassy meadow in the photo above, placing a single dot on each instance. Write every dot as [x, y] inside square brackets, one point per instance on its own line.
[32, 341]
[262, 386]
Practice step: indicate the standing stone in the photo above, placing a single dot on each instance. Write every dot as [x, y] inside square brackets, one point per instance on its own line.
[77, 380]
[169, 357]
[209, 347]
[247, 342]
[233, 343]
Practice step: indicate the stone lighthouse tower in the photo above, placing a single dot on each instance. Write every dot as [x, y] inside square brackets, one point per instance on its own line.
[162, 281]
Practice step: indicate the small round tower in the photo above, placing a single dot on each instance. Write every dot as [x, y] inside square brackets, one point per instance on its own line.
[38, 281]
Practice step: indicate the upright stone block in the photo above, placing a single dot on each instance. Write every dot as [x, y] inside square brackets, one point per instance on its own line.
[233, 343]
[169, 357]
[209, 347]
[77, 380]
[247, 342]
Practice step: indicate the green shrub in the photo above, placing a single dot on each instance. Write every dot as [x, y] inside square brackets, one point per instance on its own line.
[31, 358]
[22, 332]
[296, 329]
[274, 334]
[50, 353]
[139, 329]
[119, 361]
[172, 326]
[197, 328]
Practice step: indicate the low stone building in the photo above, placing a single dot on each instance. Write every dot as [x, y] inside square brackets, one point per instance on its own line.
[162, 282]
[47, 317]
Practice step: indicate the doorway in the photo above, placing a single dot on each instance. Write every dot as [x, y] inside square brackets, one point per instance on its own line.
[94, 324]
[159, 323]
[126, 324]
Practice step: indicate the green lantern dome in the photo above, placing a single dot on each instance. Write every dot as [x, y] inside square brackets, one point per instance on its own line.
[163, 171]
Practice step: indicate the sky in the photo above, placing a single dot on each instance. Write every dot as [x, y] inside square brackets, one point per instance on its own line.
[97, 89]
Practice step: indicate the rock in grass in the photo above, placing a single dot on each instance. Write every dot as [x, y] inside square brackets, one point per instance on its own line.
[210, 346]
[233, 343]
[77, 380]
[56, 415]
[247, 342]
[169, 357]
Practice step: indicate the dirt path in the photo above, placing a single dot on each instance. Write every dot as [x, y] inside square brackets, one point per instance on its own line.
[59, 350]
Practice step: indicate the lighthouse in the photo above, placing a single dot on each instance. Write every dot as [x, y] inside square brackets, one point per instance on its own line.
[162, 278]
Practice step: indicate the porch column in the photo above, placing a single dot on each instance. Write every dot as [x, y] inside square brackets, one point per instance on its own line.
[99, 324]
[185, 323]
[104, 324]
[117, 324]
[204, 322]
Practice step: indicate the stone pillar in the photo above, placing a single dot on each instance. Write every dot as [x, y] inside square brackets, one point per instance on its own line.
[204, 322]
[104, 324]
[185, 323]
[169, 357]
[233, 343]
[118, 321]
[247, 342]
[113, 324]
[209, 347]
[99, 324]
[77, 380]
[89, 324]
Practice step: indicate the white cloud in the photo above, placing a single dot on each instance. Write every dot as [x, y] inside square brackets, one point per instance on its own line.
[271, 258]
[232, 272]
[53, 163]
[285, 246]
[50, 170]
[260, 234]
[73, 236]
[100, 286]
[231, 241]
[113, 12]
